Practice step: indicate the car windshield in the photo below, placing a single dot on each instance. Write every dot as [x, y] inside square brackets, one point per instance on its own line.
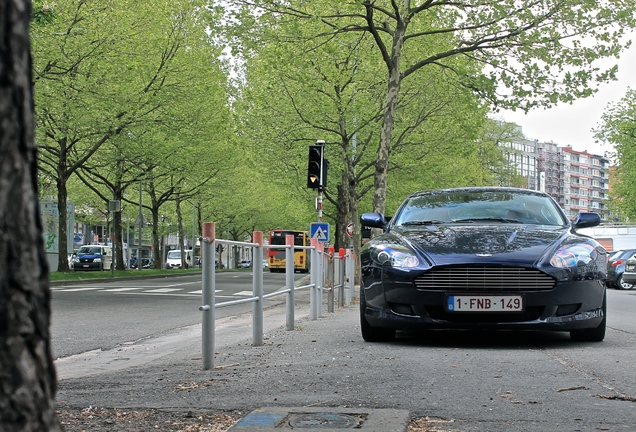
[478, 206]
[87, 250]
[174, 255]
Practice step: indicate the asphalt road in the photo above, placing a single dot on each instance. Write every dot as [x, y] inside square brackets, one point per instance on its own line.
[105, 314]
[469, 381]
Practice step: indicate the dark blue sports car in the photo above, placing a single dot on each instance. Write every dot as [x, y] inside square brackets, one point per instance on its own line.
[482, 258]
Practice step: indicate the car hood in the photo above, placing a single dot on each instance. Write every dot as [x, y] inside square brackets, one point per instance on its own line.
[505, 243]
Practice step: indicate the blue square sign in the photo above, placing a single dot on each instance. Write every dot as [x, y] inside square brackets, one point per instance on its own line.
[320, 231]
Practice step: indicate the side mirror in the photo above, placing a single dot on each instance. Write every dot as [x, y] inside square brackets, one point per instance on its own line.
[373, 220]
[586, 220]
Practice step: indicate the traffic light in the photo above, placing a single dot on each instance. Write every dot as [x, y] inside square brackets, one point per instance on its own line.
[315, 167]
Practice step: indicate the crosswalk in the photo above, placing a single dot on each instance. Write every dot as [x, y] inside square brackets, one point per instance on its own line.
[147, 290]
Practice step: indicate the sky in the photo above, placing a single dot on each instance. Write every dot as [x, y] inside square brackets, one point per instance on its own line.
[571, 124]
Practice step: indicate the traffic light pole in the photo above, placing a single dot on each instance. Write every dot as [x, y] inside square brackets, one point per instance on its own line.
[319, 205]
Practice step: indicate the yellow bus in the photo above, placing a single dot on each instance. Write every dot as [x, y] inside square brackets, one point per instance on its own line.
[276, 257]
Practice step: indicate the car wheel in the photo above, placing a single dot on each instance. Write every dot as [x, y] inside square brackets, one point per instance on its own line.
[624, 285]
[370, 333]
[596, 334]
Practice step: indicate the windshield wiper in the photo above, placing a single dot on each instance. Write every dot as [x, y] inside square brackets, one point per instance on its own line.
[425, 222]
[488, 219]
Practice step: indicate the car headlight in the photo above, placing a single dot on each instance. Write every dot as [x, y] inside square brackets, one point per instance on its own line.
[573, 256]
[394, 255]
[97, 260]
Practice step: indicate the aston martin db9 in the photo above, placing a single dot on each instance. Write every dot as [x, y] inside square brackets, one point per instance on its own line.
[482, 258]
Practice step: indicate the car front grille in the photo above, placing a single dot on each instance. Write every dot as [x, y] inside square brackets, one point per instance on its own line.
[484, 279]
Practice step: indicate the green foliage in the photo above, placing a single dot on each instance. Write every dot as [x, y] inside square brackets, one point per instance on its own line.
[618, 127]
[300, 85]
[43, 12]
[128, 91]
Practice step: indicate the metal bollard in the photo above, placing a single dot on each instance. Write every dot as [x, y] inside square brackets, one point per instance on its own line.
[341, 272]
[207, 293]
[289, 280]
[257, 289]
[315, 272]
[330, 279]
[321, 279]
[350, 276]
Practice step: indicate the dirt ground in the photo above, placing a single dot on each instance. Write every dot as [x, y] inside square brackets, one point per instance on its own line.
[116, 420]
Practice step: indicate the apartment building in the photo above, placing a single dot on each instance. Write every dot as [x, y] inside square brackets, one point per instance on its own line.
[578, 180]
[586, 182]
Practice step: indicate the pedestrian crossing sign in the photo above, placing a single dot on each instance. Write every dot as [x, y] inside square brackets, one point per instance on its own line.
[320, 231]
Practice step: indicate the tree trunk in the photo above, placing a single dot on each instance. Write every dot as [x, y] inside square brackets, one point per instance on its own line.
[156, 247]
[27, 373]
[180, 232]
[62, 262]
[118, 241]
[390, 107]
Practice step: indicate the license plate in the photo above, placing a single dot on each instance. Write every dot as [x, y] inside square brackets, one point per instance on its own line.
[86, 265]
[484, 303]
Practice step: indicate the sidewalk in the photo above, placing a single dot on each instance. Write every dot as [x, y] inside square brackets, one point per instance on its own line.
[159, 384]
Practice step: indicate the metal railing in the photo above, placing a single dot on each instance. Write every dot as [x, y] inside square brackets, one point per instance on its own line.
[328, 273]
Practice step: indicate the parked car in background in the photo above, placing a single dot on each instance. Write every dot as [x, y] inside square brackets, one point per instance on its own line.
[616, 267]
[245, 264]
[93, 257]
[173, 260]
[482, 258]
[146, 263]
[629, 275]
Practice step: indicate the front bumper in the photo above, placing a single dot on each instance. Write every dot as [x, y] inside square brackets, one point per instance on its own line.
[87, 266]
[568, 306]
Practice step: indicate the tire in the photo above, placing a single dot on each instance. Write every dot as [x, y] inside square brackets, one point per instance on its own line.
[370, 333]
[596, 334]
[623, 285]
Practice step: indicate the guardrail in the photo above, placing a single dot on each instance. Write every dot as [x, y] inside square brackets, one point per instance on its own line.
[328, 273]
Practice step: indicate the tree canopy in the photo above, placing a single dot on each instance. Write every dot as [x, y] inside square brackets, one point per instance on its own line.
[618, 127]
[521, 54]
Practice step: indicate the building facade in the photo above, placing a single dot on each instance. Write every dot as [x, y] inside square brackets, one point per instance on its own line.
[586, 185]
[577, 180]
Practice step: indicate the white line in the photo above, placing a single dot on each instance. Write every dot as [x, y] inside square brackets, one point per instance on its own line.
[201, 292]
[119, 289]
[244, 293]
[76, 289]
[185, 283]
[172, 294]
[157, 294]
[163, 290]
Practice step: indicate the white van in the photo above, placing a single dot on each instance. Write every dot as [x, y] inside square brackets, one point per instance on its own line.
[173, 260]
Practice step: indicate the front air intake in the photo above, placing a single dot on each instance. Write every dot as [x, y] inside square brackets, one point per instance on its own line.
[482, 278]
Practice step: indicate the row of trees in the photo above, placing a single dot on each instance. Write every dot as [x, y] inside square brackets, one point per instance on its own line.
[129, 93]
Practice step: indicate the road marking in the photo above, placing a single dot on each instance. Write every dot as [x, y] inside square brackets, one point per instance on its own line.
[76, 289]
[163, 290]
[244, 293]
[120, 289]
[183, 284]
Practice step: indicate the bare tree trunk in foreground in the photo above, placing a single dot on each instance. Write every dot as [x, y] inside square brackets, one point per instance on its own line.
[27, 373]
